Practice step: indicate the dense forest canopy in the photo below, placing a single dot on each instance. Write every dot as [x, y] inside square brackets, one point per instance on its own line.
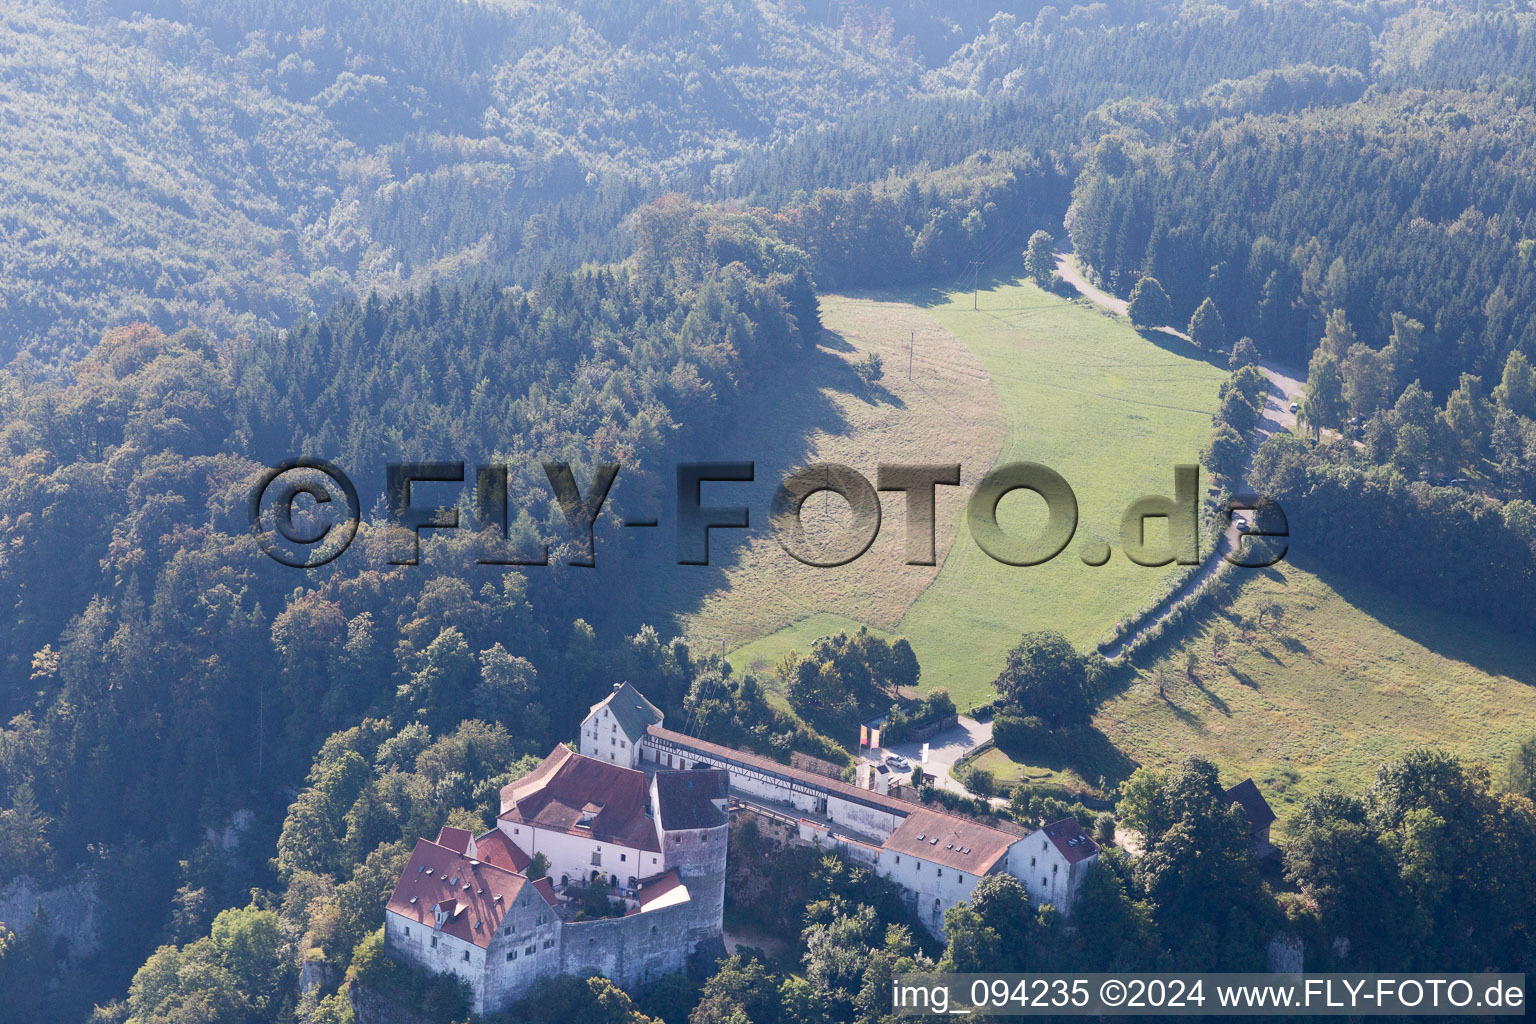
[234, 166]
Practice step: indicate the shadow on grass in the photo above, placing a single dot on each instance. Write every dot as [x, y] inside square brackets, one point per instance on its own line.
[928, 294]
[1485, 647]
[1176, 345]
[1211, 696]
[1082, 749]
[772, 429]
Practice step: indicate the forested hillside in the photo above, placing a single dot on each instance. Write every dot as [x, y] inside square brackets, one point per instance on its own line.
[234, 166]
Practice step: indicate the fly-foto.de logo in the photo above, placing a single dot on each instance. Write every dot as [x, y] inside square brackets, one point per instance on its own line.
[306, 512]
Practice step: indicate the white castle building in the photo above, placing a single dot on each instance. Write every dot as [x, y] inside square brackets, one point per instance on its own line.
[641, 813]
[936, 857]
[656, 845]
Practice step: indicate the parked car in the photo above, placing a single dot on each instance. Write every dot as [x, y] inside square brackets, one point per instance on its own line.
[1240, 522]
[897, 763]
[1295, 407]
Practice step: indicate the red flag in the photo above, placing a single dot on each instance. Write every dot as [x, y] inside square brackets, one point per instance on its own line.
[863, 735]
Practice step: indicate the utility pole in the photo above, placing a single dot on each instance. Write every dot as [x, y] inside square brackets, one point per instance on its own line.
[975, 283]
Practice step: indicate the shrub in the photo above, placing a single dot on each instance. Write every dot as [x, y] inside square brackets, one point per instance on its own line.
[977, 780]
[1104, 828]
[870, 369]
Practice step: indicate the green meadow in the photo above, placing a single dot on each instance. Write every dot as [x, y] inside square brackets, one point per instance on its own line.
[1080, 392]
[1347, 677]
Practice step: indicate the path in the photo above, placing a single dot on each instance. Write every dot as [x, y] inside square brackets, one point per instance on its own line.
[1284, 388]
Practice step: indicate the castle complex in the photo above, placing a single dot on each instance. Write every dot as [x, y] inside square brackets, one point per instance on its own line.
[641, 815]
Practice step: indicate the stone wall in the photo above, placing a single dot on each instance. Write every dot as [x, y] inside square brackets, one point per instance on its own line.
[633, 951]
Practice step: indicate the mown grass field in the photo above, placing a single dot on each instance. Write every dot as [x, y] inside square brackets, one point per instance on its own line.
[1109, 410]
[1342, 682]
[944, 413]
[1076, 390]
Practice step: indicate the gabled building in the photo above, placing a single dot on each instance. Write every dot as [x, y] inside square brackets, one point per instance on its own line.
[937, 857]
[1060, 857]
[615, 726]
[655, 841]
[1259, 814]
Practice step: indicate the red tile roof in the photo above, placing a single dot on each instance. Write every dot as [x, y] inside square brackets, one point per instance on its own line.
[957, 843]
[582, 796]
[495, 848]
[456, 839]
[663, 890]
[476, 895]
[1069, 838]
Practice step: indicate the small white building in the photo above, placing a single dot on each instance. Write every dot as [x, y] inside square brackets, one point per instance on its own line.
[1059, 857]
[615, 726]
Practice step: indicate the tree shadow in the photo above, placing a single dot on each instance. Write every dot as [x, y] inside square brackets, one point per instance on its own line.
[772, 429]
[1211, 696]
[1295, 646]
[1184, 715]
[1178, 346]
[1082, 749]
[1488, 648]
[1242, 677]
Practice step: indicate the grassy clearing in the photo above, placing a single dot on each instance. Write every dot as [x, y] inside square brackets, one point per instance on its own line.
[1110, 411]
[760, 656]
[1344, 681]
[1007, 774]
[944, 414]
[1076, 390]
